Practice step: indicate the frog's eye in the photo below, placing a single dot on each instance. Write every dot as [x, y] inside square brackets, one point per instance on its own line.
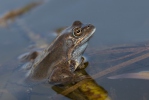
[77, 32]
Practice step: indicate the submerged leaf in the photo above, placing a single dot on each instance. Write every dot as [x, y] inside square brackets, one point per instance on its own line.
[86, 89]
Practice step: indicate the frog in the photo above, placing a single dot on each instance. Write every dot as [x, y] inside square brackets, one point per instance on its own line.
[59, 62]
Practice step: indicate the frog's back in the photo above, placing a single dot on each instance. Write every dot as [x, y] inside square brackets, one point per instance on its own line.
[47, 60]
[58, 61]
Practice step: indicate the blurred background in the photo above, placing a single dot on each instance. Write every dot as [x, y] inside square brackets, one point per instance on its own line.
[117, 22]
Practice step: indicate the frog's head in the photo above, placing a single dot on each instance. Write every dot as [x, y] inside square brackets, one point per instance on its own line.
[75, 39]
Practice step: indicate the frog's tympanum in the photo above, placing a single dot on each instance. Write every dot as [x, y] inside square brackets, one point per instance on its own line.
[59, 61]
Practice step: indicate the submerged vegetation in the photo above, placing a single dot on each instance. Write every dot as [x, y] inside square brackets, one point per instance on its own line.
[13, 14]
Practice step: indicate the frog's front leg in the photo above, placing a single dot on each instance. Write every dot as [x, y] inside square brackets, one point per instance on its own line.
[74, 65]
[82, 64]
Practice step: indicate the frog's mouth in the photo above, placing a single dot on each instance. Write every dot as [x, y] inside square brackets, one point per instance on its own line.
[86, 39]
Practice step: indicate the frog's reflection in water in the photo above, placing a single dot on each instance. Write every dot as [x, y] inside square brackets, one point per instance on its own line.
[86, 89]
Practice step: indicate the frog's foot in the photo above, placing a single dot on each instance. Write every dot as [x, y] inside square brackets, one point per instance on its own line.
[83, 64]
[62, 76]
[29, 56]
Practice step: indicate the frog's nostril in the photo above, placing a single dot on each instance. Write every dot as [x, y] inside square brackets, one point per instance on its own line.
[88, 26]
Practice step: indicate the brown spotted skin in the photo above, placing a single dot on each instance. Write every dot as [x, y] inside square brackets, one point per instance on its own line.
[60, 59]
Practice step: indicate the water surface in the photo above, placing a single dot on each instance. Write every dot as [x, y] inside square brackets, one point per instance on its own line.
[117, 22]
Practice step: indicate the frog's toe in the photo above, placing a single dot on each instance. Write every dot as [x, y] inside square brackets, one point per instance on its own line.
[82, 66]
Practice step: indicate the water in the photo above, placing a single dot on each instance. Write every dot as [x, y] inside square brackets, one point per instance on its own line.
[117, 22]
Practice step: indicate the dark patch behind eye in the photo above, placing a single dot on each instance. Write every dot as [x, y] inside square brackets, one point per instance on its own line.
[77, 23]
